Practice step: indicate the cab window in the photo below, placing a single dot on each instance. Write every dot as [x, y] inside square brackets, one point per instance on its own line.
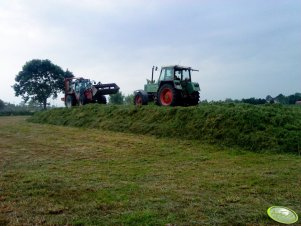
[178, 75]
[166, 74]
[186, 75]
[76, 87]
[162, 74]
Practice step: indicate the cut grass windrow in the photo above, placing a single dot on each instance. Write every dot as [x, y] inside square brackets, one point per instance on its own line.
[256, 128]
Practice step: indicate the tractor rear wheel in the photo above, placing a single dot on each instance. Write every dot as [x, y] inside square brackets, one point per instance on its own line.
[140, 98]
[101, 99]
[69, 101]
[168, 96]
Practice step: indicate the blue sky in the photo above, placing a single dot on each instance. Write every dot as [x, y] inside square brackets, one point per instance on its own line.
[242, 48]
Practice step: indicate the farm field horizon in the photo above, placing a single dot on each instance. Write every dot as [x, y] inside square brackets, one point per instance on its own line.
[58, 175]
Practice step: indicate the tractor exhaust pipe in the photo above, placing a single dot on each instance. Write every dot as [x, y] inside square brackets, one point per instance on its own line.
[153, 68]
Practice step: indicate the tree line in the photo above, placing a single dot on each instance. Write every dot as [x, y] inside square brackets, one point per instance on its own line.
[279, 99]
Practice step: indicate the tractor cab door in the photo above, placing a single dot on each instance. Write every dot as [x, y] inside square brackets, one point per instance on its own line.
[185, 77]
[182, 78]
[167, 74]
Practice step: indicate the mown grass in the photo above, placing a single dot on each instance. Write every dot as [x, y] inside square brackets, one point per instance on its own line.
[257, 128]
[54, 175]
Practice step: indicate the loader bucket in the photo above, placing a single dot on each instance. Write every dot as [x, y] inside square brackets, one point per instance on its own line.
[105, 89]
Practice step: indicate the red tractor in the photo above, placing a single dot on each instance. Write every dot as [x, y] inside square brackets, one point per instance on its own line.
[81, 91]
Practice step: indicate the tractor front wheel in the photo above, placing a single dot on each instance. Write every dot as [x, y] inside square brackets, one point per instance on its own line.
[82, 100]
[194, 99]
[69, 101]
[101, 99]
[167, 96]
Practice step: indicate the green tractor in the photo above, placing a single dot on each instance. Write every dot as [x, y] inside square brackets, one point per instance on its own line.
[173, 88]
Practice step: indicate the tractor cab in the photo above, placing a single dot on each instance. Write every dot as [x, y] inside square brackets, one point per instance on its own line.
[81, 85]
[175, 73]
[167, 74]
[177, 76]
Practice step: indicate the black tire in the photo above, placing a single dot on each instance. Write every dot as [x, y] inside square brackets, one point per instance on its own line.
[195, 98]
[69, 102]
[140, 98]
[101, 99]
[168, 96]
[82, 100]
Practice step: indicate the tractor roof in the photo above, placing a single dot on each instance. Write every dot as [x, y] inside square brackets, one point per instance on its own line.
[176, 66]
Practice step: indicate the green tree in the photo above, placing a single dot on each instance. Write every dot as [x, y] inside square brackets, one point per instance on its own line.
[269, 99]
[254, 101]
[117, 98]
[281, 99]
[2, 105]
[228, 100]
[292, 99]
[68, 74]
[129, 99]
[39, 80]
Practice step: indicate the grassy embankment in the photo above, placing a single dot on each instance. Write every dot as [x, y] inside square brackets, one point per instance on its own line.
[256, 128]
[54, 175]
[15, 113]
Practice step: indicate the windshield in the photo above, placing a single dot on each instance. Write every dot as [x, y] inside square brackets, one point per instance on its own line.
[82, 85]
[85, 83]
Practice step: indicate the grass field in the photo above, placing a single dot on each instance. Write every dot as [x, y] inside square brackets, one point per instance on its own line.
[55, 175]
